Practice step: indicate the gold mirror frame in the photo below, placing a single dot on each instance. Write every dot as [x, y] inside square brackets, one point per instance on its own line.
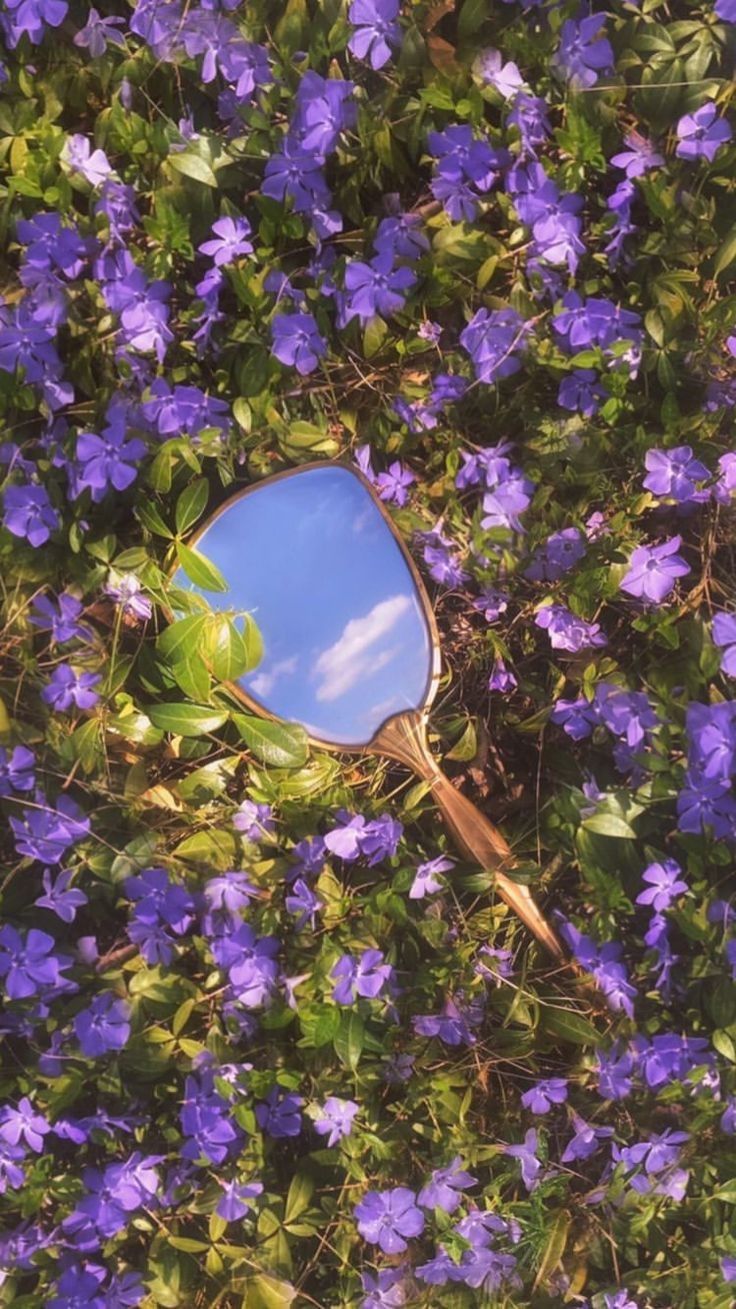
[403, 736]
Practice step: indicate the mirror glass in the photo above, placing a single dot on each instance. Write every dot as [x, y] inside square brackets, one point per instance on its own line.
[346, 639]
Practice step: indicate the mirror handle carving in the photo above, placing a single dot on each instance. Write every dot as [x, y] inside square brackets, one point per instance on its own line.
[404, 738]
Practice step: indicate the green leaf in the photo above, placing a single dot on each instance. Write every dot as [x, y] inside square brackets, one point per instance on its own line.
[374, 336]
[183, 635]
[726, 255]
[472, 17]
[191, 504]
[467, 747]
[187, 1244]
[297, 1200]
[568, 1026]
[266, 1292]
[230, 653]
[186, 719]
[199, 569]
[210, 847]
[609, 825]
[350, 1040]
[282, 745]
[149, 516]
[557, 1232]
[194, 166]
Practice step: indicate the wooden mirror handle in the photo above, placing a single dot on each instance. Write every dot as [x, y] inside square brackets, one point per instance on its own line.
[404, 738]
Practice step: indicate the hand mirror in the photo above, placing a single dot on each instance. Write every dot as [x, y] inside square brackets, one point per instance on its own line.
[351, 649]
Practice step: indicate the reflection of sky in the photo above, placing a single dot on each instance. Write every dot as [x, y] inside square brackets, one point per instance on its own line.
[346, 642]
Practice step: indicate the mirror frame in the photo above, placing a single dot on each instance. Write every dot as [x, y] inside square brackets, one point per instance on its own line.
[420, 711]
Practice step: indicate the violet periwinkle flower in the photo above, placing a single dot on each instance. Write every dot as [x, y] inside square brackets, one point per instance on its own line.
[583, 51]
[502, 679]
[724, 635]
[107, 462]
[251, 965]
[59, 897]
[98, 33]
[324, 109]
[376, 30]
[229, 242]
[526, 1153]
[127, 592]
[46, 832]
[665, 884]
[390, 1218]
[365, 975]
[104, 1026]
[24, 1124]
[393, 484]
[297, 342]
[466, 165]
[675, 474]
[336, 1119]
[376, 288]
[59, 618]
[28, 965]
[594, 321]
[427, 879]
[490, 68]
[69, 687]
[586, 1140]
[453, 1024]
[279, 1114]
[638, 157]
[529, 114]
[493, 339]
[236, 1200]
[445, 1187]
[581, 392]
[32, 19]
[540, 1098]
[567, 631]
[207, 1121]
[701, 134]
[561, 551]
[16, 770]
[254, 820]
[653, 571]
[93, 165]
[28, 513]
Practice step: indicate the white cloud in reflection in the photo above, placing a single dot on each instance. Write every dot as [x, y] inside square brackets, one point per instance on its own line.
[352, 658]
[262, 683]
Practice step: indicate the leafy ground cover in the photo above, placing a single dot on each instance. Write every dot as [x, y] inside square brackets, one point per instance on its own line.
[266, 1041]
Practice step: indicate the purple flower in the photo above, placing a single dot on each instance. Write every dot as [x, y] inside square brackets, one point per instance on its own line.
[45, 833]
[32, 18]
[336, 1119]
[560, 553]
[279, 1114]
[426, 879]
[393, 485]
[581, 392]
[387, 1217]
[58, 898]
[230, 241]
[104, 1026]
[60, 618]
[492, 339]
[303, 903]
[585, 1141]
[207, 1121]
[504, 77]
[724, 635]
[28, 965]
[366, 976]
[29, 513]
[376, 30]
[235, 1201]
[615, 1074]
[70, 686]
[98, 32]
[526, 1154]
[619, 1300]
[711, 732]
[324, 109]
[453, 1025]
[583, 51]
[254, 820]
[127, 591]
[16, 772]
[674, 473]
[665, 884]
[594, 321]
[701, 134]
[501, 678]
[297, 342]
[653, 571]
[491, 604]
[445, 1187]
[108, 461]
[386, 1290]
[345, 840]
[728, 1262]
[529, 114]
[639, 156]
[93, 165]
[379, 839]
[566, 631]
[540, 1098]
[23, 1124]
[703, 803]
[376, 288]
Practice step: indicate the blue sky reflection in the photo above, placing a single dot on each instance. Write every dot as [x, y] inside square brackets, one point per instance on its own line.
[346, 641]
